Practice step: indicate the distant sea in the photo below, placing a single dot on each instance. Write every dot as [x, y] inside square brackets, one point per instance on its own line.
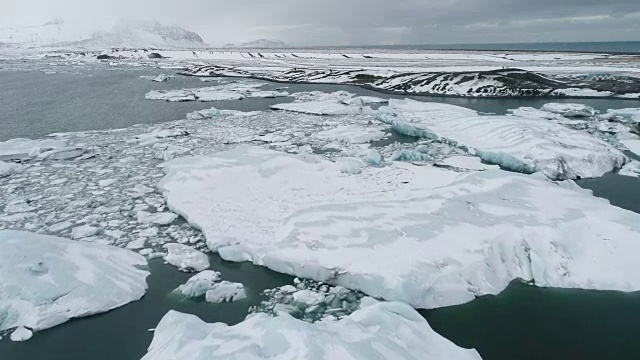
[617, 47]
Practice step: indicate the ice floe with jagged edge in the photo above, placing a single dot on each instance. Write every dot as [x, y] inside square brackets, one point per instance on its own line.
[336, 103]
[370, 333]
[48, 280]
[8, 168]
[18, 149]
[225, 91]
[311, 301]
[418, 234]
[518, 144]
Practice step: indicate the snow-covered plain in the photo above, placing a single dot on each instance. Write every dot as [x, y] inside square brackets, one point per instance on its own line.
[381, 331]
[47, 280]
[425, 236]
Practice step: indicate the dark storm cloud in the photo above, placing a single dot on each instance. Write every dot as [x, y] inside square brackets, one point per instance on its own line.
[343, 22]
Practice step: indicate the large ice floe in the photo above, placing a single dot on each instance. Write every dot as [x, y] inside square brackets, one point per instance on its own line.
[422, 235]
[381, 331]
[525, 145]
[17, 149]
[227, 91]
[47, 280]
[336, 103]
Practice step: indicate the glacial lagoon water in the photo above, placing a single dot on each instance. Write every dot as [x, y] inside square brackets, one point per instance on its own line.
[523, 322]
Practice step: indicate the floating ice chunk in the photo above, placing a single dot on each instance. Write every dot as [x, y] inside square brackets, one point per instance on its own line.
[84, 231]
[186, 258]
[199, 284]
[467, 163]
[373, 157]
[136, 244]
[633, 145]
[149, 232]
[569, 110]
[269, 94]
[170, 95]
[17, 149]
[322, 107]
[517, 144]
[63, 153]
[161, 218]
[158, 78]
[153, 137]
[214, 95]
[351, 134]
[351, 165]
[21, 334]
[47, 280]
[7, 168]
[370, 333]
[225, 292]
[418, 234]
[631, 169]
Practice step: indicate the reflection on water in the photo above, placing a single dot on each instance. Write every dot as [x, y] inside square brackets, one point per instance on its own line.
[529, 323]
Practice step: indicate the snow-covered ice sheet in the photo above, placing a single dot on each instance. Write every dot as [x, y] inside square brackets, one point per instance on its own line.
[47, 280]
[467, 163]
[518, 144]
[426, 236]
[382, 331]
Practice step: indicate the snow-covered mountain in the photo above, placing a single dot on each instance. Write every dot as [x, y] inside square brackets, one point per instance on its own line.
[123, 33]
[263, 43]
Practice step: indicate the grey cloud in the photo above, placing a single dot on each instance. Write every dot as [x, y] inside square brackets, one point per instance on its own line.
[351, 22]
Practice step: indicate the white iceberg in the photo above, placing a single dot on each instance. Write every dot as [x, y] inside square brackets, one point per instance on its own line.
[426, 236]
[18, 149]
[517, 144]
[269, 94]
[47, 280]
[186, 258]
[199, 284]
[364, 100]
[351, 134]
[630, 114]
[215, 95]
[170, 95]
[158, 78]
[225, 291]
[569, 110]
[380, 331]
[63, 153]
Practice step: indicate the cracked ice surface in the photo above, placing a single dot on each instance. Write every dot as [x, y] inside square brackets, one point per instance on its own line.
[370, 333]
[47, 280]
[520, 144]
[417, 234]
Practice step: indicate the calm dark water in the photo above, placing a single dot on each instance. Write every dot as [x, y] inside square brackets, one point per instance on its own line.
[522, 323]
[122, 334]
[34, 104]
[626, 47]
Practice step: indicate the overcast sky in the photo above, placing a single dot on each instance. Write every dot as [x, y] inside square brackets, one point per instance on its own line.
[356, 22]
